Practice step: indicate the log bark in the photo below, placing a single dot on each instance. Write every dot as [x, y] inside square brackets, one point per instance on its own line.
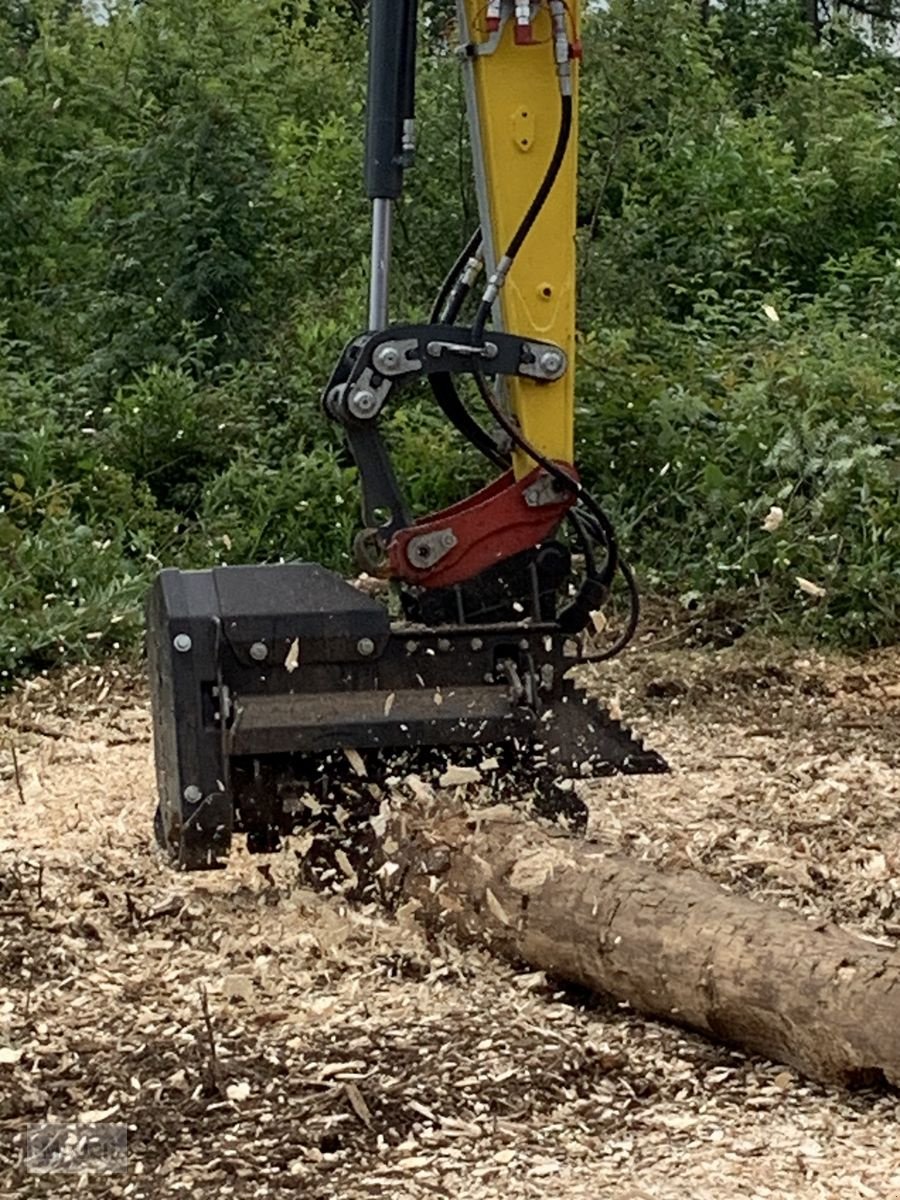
[675, 946]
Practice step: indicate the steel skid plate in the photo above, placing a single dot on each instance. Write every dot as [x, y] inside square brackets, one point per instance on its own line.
[253, 667]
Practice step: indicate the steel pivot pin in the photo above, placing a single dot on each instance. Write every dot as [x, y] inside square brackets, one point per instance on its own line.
[387, 358]
[551, 362]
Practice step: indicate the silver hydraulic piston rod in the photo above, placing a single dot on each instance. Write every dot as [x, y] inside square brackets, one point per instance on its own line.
[380, 270]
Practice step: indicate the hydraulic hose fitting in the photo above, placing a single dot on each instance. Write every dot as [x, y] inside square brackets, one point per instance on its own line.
[562, 51]
[524, 32]
[496, 281]
[472, 270]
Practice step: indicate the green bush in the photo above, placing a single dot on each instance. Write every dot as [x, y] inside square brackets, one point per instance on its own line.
[183, 245]
[306, 507]
[694, 454]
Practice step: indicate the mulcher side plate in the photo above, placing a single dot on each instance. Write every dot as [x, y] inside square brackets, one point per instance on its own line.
[250, 665]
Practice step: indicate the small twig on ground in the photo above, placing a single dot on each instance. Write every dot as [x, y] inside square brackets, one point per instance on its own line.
[681, 632]
[40, 729]
[17, 774]
[358, 1104]
[213, 1061]
[134, 915]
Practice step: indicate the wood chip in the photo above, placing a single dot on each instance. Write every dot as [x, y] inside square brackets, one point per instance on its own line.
[292, 658]
[237, 987]
[355, 759]
[357, 1103]
[454, 776]
[496, 907]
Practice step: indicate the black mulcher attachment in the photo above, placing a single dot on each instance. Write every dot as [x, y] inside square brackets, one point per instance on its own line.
[256, 670]
[262, 674]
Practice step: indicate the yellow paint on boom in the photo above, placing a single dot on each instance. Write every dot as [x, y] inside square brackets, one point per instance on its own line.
[517, 94]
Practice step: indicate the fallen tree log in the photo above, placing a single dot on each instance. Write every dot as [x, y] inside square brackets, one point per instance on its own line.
[676, 946]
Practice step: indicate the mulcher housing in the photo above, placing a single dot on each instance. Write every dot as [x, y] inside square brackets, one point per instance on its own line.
[262, 664]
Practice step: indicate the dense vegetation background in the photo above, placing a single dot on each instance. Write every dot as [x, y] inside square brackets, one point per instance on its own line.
[183, 244]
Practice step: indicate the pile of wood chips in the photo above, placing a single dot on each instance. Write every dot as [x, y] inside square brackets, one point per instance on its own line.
[261, 1039]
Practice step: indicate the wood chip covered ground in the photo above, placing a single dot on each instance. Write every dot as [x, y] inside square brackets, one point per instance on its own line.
[260, 1039]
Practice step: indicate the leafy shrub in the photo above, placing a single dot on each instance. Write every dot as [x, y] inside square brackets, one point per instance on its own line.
[306, 508]
[697, 452]
[183, 245]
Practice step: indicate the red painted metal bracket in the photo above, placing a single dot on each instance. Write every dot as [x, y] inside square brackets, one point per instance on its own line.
[459, 542]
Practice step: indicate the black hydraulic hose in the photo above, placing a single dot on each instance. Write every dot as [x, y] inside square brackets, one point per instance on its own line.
[608, 572]
[534, 209]
[453, 295]
[634, 616]
[575, 616]
[597, 584]
[440, 314]
[447, 397]
[586, 529]
[592, 593]
[445, 310]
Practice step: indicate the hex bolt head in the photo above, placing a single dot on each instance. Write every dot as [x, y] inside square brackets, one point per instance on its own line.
[387, 358]
[365, 646]
[551, 362]
[362, 403]
[259, 651]
[182, 642]
[448, 539]
[192, 794]
[444, 645]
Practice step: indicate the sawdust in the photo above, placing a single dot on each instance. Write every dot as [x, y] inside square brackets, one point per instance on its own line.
[259, 1039]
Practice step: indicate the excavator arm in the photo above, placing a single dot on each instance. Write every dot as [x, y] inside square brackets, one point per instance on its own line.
[520, 64]
[266, 678]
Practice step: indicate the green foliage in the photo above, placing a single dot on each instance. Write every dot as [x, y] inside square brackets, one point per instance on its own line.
[701, 450]
[716, 195]
[305, 507]
[183, 244]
